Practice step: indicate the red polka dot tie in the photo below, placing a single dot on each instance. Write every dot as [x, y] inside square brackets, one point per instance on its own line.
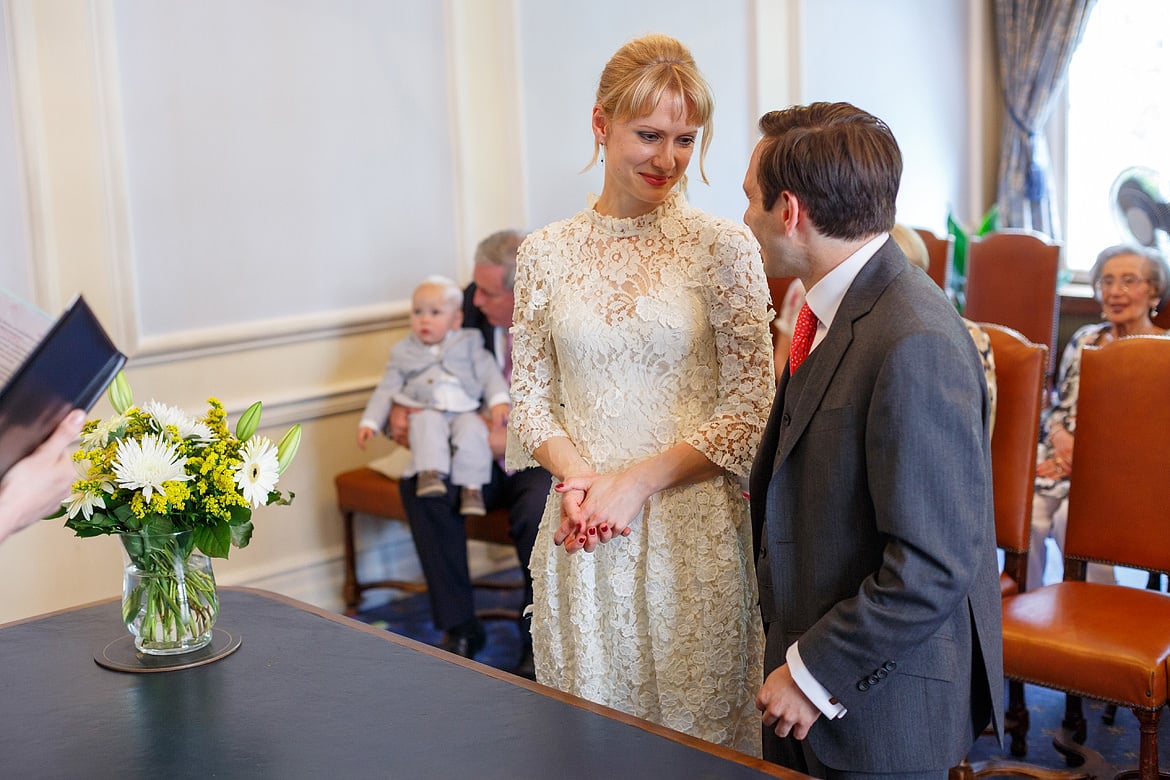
[802, 338]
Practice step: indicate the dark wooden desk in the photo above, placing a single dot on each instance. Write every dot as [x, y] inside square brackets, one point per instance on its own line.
[310, 694]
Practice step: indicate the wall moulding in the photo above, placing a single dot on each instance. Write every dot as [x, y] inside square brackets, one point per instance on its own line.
[230, 339]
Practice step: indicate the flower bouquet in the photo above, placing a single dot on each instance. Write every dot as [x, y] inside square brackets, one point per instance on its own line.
[178, 490]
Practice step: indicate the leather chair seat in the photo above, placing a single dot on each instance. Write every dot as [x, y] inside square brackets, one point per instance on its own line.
[1007, 586]
[1109, 633]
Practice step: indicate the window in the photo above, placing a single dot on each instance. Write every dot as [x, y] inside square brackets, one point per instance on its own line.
[1118, 117]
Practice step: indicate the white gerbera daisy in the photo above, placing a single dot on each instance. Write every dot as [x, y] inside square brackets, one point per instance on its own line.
[145, 465]
[257, 475]
[188, 426]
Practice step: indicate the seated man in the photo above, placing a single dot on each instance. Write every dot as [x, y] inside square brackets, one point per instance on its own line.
[435, 522]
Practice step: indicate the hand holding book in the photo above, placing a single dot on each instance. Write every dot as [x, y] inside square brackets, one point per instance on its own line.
[35, 486]
[52, 373]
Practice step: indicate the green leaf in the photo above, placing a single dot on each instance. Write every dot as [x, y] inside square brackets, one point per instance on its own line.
[86, 531]
[214, 540]
[276, 499]
[954, 228]
[240, 524]
[157, 525]
[241, 534]
[990, 221]
[135, 546]
[98, 523]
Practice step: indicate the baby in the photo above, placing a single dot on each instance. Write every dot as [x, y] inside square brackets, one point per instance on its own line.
[444, 374]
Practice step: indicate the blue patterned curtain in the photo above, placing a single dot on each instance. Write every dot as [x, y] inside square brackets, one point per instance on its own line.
[1036, 40]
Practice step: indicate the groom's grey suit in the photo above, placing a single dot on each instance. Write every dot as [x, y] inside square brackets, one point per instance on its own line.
[872, 510]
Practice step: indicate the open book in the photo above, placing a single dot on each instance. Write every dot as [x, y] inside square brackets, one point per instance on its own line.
[48, 368]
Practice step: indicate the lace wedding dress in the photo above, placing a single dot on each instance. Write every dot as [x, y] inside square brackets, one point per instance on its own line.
[632, 335]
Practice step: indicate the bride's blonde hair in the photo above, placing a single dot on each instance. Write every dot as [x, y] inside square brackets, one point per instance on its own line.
[640, 73]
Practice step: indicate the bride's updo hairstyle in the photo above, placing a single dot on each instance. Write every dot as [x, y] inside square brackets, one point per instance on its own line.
[640, 73]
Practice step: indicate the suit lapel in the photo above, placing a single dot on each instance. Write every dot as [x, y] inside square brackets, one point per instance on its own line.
[824, 362]
[764, 464]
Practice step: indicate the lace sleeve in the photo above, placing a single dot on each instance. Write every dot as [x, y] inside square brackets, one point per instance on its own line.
[740, 313]
[534, 368]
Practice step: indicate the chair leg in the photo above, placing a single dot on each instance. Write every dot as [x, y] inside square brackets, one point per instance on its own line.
[963, 771]
[1016, 719]
[349, 588]
[1071, 739]
[1148, 752]
[1074, 719]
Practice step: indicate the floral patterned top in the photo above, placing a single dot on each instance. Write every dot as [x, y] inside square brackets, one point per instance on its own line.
[1063, 411]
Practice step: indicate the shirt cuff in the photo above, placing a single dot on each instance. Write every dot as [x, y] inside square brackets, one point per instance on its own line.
[808, 684]
[498, 398]
[373, 426]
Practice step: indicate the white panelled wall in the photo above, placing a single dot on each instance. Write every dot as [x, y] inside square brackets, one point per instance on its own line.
[247, 190]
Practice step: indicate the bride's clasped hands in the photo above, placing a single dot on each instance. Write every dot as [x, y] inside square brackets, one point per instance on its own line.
[597, 507]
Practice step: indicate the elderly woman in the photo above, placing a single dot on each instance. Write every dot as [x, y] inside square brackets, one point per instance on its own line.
[1130, 283]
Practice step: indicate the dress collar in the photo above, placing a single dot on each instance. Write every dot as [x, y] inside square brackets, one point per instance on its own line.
[633, 226]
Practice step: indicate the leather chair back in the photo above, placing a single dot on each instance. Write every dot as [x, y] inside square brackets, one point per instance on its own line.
[1019, 376]
[939, 251]
[1121, 456]
[1011, 280]
[777, 286]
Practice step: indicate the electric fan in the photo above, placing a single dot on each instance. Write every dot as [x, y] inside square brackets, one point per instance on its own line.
[1141, 206]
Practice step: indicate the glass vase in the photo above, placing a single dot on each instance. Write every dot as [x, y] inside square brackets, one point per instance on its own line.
[169, 601]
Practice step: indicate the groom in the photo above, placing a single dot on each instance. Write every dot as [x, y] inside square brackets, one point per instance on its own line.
[871, 493]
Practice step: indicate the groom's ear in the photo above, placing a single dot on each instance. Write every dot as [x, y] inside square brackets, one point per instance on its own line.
[789, 211]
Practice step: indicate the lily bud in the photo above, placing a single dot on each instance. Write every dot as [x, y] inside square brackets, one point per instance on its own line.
[119, 393]
[286, 449]
[248, 423]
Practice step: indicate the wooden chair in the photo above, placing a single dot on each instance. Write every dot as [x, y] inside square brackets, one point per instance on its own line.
[1011, 280]
[939, 250]
[1019, 375]
[373, 493]
[1107, 642]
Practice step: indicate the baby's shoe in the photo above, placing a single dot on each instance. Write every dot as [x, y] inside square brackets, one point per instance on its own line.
[471, 502]
[430, 483]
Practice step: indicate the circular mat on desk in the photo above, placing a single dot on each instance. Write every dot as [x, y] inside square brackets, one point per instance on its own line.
[122, 656]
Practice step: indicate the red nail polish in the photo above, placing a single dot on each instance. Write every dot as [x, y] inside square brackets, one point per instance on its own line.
[582, 541]
[604, 528]
[560, 485]
[592, 531]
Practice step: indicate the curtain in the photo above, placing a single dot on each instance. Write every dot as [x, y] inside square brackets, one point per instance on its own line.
[1036, 40]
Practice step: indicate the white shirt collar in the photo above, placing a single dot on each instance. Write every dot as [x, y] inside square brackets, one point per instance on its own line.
[826, 295]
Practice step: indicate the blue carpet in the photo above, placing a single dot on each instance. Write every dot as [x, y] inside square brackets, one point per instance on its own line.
[411, 617]
[1117, 744]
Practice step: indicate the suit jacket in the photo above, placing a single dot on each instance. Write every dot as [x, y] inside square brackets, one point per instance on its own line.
[473, 318]
[873, 523]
